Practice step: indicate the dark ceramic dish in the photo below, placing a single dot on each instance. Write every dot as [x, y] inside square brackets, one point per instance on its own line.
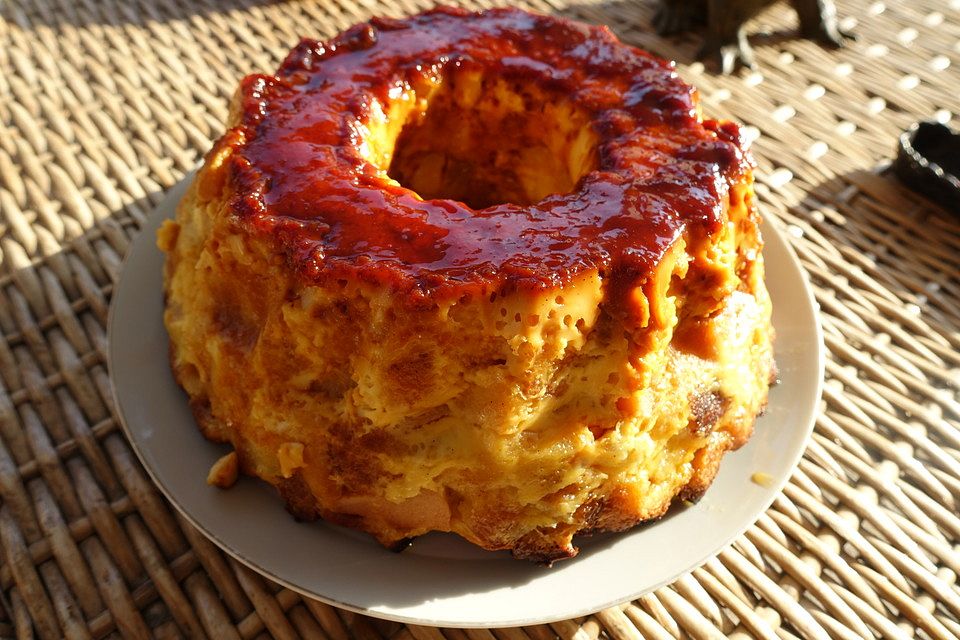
[928, 161]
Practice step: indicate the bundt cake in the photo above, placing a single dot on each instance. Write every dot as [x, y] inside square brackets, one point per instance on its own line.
[488, 273]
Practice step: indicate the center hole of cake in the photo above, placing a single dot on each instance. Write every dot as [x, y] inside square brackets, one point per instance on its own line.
[486, 140]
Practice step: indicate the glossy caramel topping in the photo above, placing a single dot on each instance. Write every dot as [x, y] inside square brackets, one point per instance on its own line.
[300, 175]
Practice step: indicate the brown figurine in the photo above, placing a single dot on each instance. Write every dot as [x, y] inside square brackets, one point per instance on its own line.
[726, 41]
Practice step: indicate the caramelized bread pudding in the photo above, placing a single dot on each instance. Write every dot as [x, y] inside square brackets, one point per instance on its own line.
[488, 273]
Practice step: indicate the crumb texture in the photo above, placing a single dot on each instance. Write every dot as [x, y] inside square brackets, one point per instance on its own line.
[511, 414]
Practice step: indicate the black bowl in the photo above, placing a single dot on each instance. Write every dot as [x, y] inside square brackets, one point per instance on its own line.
[928, 161]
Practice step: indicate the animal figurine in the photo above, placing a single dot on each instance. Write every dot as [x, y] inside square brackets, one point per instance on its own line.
[726, 41]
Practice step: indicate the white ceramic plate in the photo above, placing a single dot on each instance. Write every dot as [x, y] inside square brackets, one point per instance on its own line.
[442, 580]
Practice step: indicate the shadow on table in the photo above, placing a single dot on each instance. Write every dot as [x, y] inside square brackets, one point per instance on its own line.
[632, 21]
[65, 13]
[894, 241]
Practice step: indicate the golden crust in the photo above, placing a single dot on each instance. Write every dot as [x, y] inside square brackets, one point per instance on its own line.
[358, 480]
[511, 445]
[516, 419]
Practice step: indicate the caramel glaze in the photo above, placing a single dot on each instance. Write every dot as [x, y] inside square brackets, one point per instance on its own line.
[298, 175]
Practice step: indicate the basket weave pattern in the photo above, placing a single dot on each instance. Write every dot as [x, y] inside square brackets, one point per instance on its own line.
[104, 105]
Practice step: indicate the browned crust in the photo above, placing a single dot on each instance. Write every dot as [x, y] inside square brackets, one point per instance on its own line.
[199, 405]
[606, 517]
[300, 501]
[539, 546]
[545, 545]
[706, 467]
[706, 410]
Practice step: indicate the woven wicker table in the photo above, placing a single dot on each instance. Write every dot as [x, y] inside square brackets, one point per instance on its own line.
[104, 105]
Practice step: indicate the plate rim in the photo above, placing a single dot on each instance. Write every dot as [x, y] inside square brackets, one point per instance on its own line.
[771, 226]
